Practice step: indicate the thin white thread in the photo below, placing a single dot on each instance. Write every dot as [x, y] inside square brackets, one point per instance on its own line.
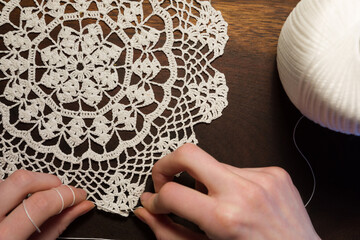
[62, 200]
[28, 215]
[307, 161]
[72, 191]
[59, 124]
[297, 147]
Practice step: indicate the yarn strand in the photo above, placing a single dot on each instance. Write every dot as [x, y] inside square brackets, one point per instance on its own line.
[298, 149]
[307, 161]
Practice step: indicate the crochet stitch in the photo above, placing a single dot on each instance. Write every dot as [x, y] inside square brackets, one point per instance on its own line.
[96, 91]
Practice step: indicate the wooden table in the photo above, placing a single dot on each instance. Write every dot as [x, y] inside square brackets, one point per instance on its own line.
[256, 130]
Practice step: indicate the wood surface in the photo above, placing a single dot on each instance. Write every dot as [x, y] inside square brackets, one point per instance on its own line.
[256, 130]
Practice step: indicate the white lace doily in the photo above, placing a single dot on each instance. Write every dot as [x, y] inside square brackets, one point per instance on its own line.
[96, 91]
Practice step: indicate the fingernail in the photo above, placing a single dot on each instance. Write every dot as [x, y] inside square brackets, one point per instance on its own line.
[145, 196]
[90, 206]
[83, 193]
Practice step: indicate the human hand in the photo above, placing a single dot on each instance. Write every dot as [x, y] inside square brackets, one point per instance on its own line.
[253, 203]
[43, 206]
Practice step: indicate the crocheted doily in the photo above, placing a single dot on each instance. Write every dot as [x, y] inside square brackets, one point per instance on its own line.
[96, 91]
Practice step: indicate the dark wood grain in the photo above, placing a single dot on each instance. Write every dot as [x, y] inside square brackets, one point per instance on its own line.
[256, 130]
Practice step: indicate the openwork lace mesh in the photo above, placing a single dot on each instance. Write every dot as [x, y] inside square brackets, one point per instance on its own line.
[96, 91]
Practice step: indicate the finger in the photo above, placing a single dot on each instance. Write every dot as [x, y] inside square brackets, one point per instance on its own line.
[192, 159]
[261, 174]
[258, 176]
[250, 174]
[272, 179]
[180, 200]
[21, 183]
[238, 171]
[57, 224]
[40, 207]
[164, 228]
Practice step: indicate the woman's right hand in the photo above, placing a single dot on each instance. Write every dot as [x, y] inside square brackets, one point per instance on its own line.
[233, 203]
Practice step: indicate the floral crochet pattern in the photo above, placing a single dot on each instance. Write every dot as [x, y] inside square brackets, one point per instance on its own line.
[96, 91]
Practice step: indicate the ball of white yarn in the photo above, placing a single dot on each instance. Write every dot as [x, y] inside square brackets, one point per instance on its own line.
[319, 62]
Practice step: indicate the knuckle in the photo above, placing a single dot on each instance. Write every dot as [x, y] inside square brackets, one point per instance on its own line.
[21, 178]
[156, 169]
[279, 173]
[273, 178]
[266, 181]
[185, 149]
[180, 154]
[165, 192]
[165, 189]
[229, 219]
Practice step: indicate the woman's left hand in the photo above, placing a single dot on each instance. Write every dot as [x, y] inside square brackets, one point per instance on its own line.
[51, 206]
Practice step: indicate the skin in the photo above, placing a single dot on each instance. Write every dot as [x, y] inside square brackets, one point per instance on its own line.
[43, 206]
[229, 203]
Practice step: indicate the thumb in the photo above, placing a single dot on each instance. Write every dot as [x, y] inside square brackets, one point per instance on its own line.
[164, 228]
